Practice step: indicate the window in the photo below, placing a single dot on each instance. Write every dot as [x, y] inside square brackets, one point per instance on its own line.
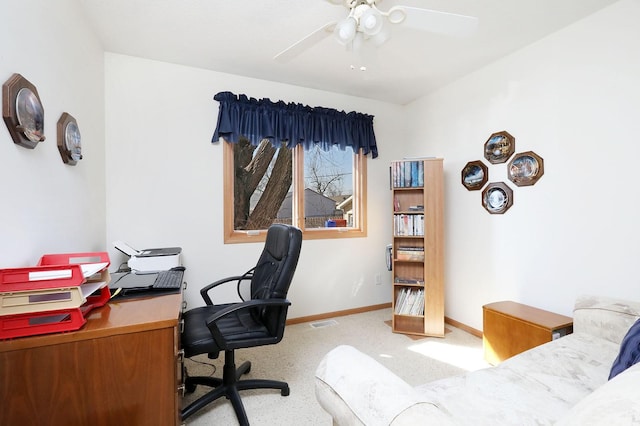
[316, 181]
[320, 191]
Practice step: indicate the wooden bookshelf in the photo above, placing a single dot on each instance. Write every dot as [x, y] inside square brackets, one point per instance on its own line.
[418, 247]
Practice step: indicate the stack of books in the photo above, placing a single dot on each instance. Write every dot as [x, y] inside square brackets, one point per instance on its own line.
[410, 253]
[402, 280]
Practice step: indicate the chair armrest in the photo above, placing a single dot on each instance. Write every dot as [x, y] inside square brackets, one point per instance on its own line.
[204, 291]
[357, 390]
[235, 307]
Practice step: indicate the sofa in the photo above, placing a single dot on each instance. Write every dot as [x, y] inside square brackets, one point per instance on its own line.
[564, 382]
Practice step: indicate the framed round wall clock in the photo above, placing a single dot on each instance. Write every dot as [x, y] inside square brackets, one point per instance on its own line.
[22, 111]
[69, 139]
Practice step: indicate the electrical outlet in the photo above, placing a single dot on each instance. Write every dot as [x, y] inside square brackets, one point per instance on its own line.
[378, 279]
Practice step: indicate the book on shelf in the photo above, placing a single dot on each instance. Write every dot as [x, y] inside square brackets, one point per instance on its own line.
[410, 301]
[403, 280]
[407, 174]
[414, 255]
[402, 294]
[408, 224]
[396, 204]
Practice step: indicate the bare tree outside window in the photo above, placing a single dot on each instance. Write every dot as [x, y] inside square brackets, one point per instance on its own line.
[326, 191]
[328, 177]
[263, 177]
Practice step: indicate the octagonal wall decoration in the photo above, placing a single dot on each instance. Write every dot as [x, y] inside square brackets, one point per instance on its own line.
[499, 147]
[525, 168]
[497, 197]
[22, 111]
[474, 175]
[69, 139]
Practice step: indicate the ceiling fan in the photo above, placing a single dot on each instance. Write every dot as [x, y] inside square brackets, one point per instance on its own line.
[367, 23]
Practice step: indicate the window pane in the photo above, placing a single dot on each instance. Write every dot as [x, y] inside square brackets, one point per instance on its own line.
[262, 184]
[328, 194]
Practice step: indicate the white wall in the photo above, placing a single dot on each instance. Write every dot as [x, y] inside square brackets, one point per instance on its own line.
[574, 99]
[164, 182]
[48, 206]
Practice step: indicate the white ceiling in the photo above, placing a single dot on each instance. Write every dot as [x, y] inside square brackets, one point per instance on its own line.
[242, 36]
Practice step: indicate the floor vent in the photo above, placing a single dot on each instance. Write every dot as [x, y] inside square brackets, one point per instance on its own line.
[327, 323]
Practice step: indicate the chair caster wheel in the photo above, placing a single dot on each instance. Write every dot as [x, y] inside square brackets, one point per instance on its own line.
[190, 387]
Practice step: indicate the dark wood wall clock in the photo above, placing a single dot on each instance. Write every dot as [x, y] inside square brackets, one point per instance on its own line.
[22, 111]
[69, 140]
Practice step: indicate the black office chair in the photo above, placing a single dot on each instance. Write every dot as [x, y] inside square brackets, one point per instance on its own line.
[255, 322]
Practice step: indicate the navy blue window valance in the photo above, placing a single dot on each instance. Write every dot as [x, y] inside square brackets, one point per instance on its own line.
[293, 124]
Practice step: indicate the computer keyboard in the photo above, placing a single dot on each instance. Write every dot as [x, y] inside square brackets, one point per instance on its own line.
[168, 279]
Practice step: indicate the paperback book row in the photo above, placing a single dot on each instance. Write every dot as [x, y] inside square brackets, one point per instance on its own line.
[410, 301]
[408, 225]
[53, 296]
[407, 174]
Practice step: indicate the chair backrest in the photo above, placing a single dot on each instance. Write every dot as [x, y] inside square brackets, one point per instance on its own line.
[275, 268]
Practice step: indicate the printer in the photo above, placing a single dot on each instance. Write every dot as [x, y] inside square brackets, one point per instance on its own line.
[150, 260]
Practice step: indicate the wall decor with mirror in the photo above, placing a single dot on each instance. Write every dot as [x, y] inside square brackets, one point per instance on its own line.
[22, 111]
[69, 140]
[499, 147]
[474, 175]
[524, 169]
[497, 197]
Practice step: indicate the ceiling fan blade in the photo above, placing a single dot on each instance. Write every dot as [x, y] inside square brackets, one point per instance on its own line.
[305, 43]
[439, 22]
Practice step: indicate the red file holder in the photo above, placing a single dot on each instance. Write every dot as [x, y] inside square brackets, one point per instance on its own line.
[21, 325]
[74, 258]
[54, 296]
[94, 300]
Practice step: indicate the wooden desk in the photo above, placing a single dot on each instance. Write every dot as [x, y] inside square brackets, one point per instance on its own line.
[510, 328]
[120, 369]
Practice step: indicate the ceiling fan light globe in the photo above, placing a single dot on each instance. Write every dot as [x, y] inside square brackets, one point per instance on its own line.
[345, 30]
[371, 22]
[396, 14]
[382, 37]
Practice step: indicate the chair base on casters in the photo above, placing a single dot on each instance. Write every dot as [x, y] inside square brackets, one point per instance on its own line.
[229, 387]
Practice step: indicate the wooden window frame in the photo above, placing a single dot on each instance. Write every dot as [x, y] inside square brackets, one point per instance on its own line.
[232, 236]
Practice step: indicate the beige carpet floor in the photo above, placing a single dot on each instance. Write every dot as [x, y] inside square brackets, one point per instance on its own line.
[295, 359]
